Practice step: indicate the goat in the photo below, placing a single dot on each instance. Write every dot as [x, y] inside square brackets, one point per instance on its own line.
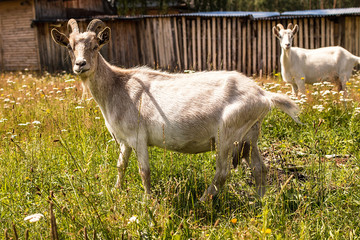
[188, 113]
[300, 66]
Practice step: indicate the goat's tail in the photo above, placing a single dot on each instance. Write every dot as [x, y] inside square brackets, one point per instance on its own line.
[285, 104]
[358, 60]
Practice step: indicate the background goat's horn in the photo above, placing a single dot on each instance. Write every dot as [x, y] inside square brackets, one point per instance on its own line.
[94, 25]
[290, 26]
[72, 24]
[280, 26]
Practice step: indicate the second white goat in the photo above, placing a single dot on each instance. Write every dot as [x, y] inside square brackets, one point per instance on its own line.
[300, 66]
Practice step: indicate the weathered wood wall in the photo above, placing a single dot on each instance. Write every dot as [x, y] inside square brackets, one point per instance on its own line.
[18, 43]
[205, 43]
[54, 9]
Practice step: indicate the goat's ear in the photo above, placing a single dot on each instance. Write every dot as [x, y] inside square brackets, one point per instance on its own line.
[295, 29]
[59, 38]
[276, 32]
[104, 36]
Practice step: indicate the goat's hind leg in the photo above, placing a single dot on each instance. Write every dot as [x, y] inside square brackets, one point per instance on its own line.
[221, 174]
[122, 163]
[250, 151]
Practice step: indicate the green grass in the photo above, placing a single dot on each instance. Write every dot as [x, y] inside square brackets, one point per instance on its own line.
[55, 147]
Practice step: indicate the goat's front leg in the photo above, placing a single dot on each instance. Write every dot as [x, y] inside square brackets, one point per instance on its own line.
[221, 174]
[144, 166]
[300, 83]
[122, 163]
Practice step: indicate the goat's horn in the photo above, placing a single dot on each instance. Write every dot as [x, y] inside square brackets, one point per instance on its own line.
[72, 24]
[94, 25]
[290, 26]
[280, 26]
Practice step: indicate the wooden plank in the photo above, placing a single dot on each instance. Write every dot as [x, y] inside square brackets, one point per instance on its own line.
[327, 34]
[198, 43]
[306, 33]
[213, 36]
[233, 43]
[183, 21]
[218, 40]
[248, 50]
[177, 48]
[268, 47]
[2, 68]
[323, 32]
[208, 58]
[357, 36]
[203, 45]
[244, 46]
[193, 44]
[311, 30]
[228, 45]
[239, 44]
[332, 33]
[317, 33]
[264, 50]
[224, 29]
[296, 37]
[255, 40]
[273, 49]
[301, 33]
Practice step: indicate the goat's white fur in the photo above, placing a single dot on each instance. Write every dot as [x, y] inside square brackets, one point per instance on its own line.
[300, 66]
[189, 113]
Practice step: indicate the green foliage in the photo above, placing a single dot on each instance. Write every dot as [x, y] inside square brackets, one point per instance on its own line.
[51, 141]
[134, 7]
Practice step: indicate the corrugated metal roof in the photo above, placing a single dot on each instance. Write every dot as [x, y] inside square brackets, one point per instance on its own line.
[324, 12]
[253, 15]
[249, 15]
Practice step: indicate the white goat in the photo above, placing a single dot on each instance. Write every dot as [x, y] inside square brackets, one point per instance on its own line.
[300, 66]
[189, 113]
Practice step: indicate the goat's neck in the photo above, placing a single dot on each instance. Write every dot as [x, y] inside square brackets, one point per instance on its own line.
[104, 81]
[285, 57]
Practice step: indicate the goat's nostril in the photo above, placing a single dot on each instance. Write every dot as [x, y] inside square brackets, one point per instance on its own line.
[80, 63]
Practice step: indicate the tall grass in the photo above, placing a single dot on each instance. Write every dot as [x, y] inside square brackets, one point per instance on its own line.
[56, 147]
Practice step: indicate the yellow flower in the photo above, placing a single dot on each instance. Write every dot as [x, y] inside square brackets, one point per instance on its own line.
[348, 83]
[268, 231]
[302, 78]
[234, 220]
[47, 110]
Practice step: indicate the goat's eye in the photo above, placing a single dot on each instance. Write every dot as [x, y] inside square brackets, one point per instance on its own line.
[69, 47]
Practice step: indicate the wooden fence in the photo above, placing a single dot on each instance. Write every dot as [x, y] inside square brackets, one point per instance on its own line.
[178, 43]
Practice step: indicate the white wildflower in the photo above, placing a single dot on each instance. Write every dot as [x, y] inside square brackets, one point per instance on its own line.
[34, 217]
[36, 122]
[24, 124]
[317, 84]
[319, 107]
[97, 117]
[79, 107]
[70, 80]
[326, 92]
[133, 219]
